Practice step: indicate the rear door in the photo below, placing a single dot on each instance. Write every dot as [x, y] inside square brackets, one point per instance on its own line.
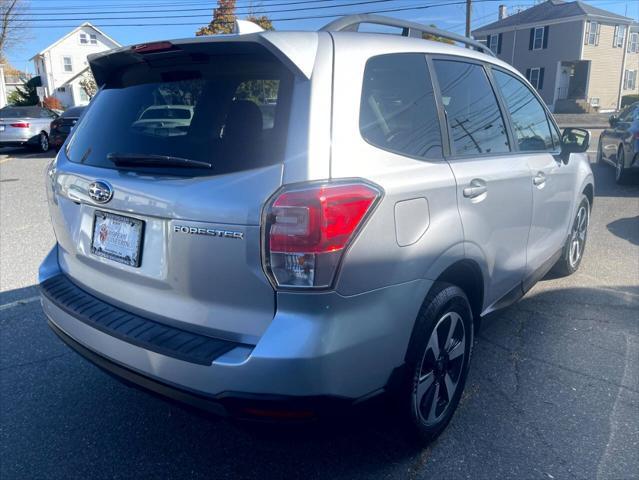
[494, 192]
[537, 141]
[163, 219]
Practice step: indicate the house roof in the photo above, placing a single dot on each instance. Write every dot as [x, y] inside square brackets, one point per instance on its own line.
[552, 10]
[85, 24]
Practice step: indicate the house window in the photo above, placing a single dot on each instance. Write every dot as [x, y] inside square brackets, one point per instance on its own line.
[630, 80]
[68, 64]
[536, 77]
[83, 95]
[620, 33]
[633, 43]
[83, 39]
[538, 39]
[594, 101]
[592, 33]
[94, 39]
[493, 42]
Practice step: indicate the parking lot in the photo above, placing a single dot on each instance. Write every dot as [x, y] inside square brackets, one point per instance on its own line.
[553, 390]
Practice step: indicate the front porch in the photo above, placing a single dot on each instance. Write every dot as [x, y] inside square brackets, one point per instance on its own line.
[571, 87]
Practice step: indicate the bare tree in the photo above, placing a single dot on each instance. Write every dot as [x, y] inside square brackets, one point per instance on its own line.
[10, 24]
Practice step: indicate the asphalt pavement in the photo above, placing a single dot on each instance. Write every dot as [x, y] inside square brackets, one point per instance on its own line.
[553, 390]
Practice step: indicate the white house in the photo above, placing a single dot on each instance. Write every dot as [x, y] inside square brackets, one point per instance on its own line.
[62, 64]
[3, 88]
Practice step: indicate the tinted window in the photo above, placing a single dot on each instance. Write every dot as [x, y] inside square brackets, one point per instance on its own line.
[73, 112]
[18, 112]
[529, 120]
[190, 110]
[474, 118]
[262, 93]
[397, 110]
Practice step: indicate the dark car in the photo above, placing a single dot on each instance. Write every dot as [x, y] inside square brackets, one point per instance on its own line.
[619, 144]
[61, 126]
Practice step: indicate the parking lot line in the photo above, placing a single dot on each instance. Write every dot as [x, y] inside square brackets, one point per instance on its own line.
[17, 303]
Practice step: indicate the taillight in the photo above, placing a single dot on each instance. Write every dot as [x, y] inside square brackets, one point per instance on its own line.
[20, 125]
[154, 47]
[308, 228]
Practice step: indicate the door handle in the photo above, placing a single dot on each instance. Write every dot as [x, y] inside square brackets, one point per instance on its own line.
[477, 187]
[539, 179]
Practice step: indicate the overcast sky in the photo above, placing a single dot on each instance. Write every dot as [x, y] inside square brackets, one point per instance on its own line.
[44, 28]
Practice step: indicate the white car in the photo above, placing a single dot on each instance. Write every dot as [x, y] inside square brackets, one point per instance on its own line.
[26, 127]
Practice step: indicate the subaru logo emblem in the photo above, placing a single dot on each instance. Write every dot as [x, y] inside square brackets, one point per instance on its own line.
[100, 191]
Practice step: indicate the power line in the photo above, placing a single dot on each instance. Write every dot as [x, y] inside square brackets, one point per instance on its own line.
[331, 15]
[213, 6]
[299, 9]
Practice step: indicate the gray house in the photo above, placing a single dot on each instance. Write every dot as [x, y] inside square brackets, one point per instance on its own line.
[579, 57]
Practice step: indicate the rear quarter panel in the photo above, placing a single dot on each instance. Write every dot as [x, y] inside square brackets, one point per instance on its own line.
[419, 205]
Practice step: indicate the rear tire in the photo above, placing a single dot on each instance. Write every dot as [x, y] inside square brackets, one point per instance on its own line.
[621, 172]
[43, 143]
[575, 245]
[438, 360]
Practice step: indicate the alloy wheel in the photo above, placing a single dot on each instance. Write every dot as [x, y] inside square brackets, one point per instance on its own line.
[578, 236]
[44, 142]
[441, 368]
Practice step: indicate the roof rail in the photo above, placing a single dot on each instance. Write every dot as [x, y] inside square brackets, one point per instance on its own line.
[351, 23]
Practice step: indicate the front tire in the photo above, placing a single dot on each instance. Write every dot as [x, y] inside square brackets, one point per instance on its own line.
[575, 245]
[438, 361]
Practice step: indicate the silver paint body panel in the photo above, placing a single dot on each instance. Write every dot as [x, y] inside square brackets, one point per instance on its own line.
[309, 343]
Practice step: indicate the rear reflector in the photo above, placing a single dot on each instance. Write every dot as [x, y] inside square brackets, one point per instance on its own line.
[152, 47]
[20, 125]
[308, 228]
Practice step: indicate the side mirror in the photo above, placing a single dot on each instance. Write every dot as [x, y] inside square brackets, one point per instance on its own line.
[612, 120]
[574, 140]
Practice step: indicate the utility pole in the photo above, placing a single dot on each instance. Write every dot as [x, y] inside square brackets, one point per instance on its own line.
[468, 12]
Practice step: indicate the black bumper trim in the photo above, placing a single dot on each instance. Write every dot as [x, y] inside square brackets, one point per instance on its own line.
[148, 334]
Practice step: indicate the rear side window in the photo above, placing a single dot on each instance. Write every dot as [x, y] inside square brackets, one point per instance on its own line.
[529, 121]
[397, 110]
[230, 111]
[474, 119]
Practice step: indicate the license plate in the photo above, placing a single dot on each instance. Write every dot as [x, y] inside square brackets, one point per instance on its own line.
[117, 238]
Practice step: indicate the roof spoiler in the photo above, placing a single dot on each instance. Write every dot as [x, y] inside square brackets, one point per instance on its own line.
[351, 23]
[296, 50]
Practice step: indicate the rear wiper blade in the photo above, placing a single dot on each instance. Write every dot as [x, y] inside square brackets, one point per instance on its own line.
[150, 160]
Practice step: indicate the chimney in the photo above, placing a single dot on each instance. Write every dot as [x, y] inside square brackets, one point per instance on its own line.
[502, 12]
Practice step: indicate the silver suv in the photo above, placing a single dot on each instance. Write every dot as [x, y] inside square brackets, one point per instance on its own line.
[330, 223]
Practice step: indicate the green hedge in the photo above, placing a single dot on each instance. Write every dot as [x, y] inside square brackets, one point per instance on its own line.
[629, 99]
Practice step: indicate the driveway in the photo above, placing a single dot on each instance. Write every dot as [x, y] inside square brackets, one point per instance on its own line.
[553, 390]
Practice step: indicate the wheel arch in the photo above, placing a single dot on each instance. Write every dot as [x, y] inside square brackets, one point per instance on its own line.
[589, 192]
[467, 275]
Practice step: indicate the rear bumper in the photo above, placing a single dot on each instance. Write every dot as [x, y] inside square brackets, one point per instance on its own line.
[15, 141]
[321, 349]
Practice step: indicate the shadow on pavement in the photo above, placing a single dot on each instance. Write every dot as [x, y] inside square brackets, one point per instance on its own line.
[544, 382]
[626, 228]
[605, 185]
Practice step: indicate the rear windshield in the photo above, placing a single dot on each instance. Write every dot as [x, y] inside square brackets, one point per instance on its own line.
[229, 111]
[21, 112]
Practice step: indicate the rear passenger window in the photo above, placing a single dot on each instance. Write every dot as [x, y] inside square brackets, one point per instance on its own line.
[529, 121]
[474, 119]
[397, 110]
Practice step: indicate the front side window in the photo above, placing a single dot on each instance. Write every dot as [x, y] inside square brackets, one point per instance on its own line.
[68, 64]
[528, 116]
[474, 119]
[397, 109]
[538, 41]
[620, 33]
